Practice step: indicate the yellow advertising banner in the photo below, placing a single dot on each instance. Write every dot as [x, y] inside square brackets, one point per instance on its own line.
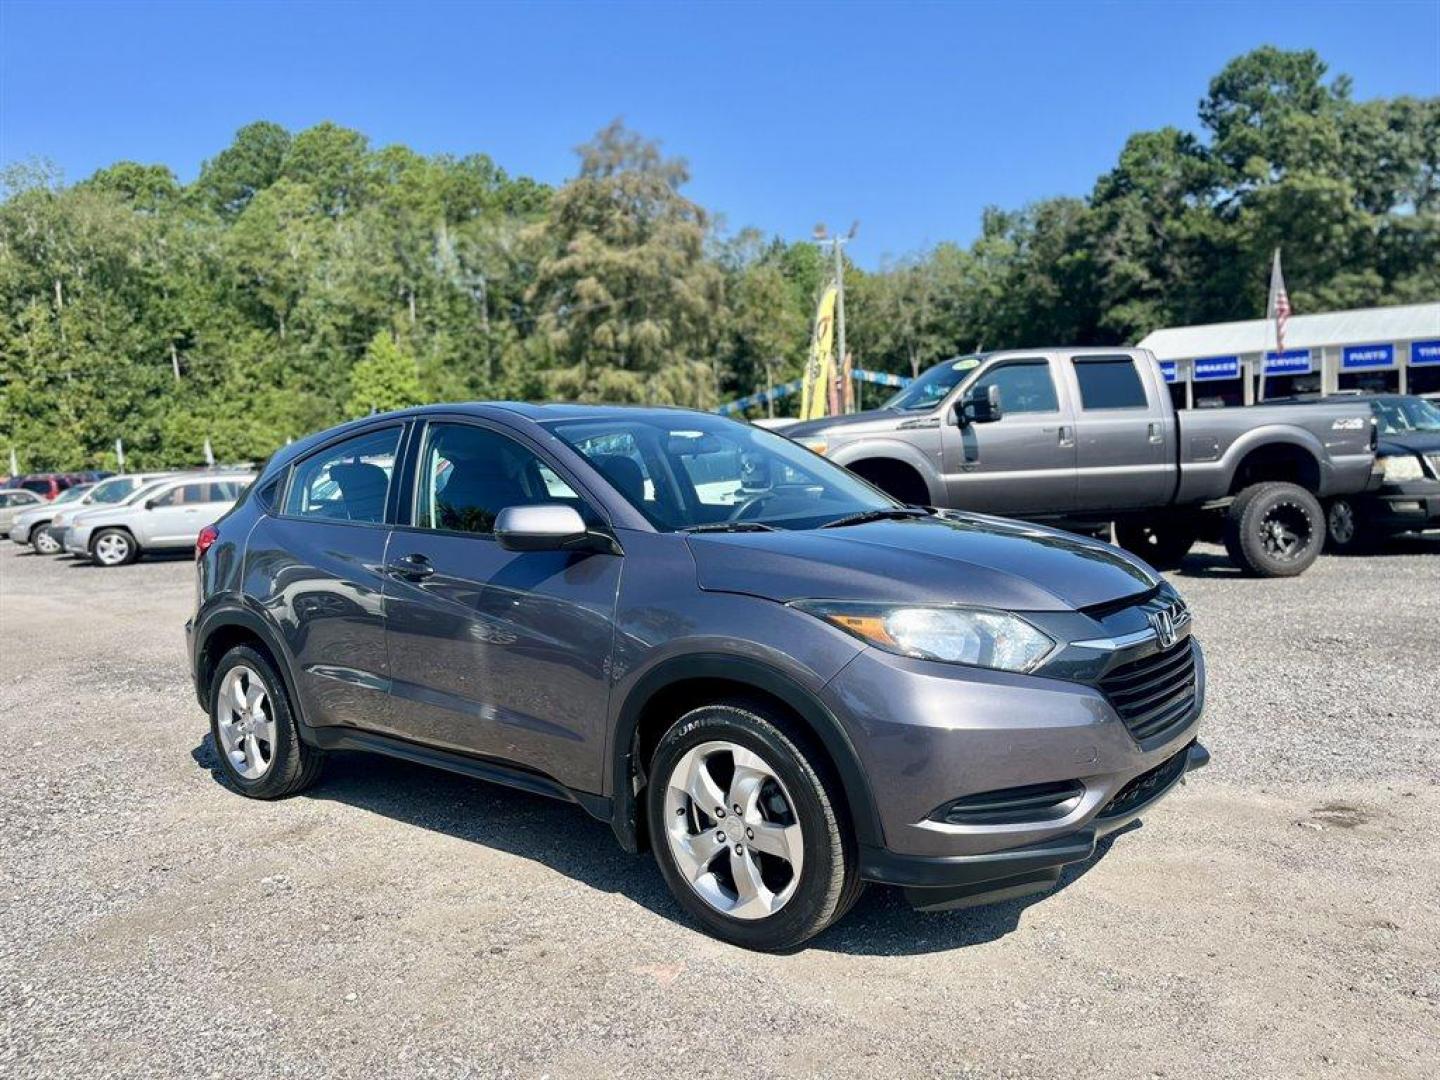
[819, 368]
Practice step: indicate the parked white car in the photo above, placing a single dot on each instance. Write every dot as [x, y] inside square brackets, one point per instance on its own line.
[44, 528]
[166, 515]
[14, 500]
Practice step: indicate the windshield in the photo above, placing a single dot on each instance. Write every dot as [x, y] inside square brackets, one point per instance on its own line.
[1404, 415]
[144, 491]
[71, 494]
[112, 491]
[685, 471]
[933, 386]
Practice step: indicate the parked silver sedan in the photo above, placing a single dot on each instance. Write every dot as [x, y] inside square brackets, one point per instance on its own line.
[28, 521]
[165, 515]
[14, 500]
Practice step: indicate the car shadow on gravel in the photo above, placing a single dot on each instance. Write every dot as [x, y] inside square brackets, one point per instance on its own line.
[566, 839]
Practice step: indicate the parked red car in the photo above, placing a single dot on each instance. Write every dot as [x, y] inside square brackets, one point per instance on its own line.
[47, 485]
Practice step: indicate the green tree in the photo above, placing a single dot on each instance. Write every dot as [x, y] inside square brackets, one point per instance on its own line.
[385, 379]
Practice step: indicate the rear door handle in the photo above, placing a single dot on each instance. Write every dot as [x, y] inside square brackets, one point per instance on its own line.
[1155, 436]
[1066, 438]
[415, 567]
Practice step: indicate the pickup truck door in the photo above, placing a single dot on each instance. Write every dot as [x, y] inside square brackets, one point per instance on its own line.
[1125, 433]
[1023, 463]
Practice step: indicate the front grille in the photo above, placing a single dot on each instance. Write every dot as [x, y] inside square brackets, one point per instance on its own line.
[1155, 693]
[1146, 786]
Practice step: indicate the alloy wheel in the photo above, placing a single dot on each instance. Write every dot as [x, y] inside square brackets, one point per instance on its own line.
[245, 723]
[112, 549]
[1341, 522]
[732, 829]
[1286, 531]
[46, 544]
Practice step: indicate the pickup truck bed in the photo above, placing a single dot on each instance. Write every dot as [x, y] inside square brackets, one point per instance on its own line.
[1087, 436]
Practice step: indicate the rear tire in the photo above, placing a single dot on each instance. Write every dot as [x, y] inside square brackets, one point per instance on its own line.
[732, 745]
[113, 547]
[1162, 542]
[257, 739]
[1274, 529]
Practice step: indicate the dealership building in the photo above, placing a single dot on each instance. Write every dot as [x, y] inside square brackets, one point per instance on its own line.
[1389, 349]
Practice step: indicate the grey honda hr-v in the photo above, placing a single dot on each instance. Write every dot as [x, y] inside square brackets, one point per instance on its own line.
[782, 681]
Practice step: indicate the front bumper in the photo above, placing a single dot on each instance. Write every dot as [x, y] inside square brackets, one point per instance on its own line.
[1413, 505]
[938, 883]
[20, 532]
[72, 540]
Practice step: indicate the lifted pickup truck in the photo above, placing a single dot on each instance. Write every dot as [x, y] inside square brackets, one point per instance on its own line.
[1086, 437]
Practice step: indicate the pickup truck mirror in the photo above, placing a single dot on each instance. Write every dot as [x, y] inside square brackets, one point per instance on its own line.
[979, 405]
[150, 504]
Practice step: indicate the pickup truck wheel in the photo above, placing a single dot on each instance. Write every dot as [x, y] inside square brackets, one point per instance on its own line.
[1345, 529]
[1161, 543]
[748, 836]
[1274, 529]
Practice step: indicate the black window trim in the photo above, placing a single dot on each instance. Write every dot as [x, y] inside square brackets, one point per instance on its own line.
[290, 467]
[1109, 358]
[407, 512]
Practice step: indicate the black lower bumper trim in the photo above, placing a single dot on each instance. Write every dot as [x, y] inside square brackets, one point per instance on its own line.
[982, 892]
[971, 879]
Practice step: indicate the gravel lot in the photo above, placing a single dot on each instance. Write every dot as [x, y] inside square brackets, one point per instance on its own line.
[1278, 916]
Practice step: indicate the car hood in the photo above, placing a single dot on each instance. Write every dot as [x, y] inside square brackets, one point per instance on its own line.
[96, 513]
[953, 558]
[853, 424]
[1414, 442]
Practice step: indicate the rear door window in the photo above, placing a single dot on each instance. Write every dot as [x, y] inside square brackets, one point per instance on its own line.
[1109, 382]
[349, 481]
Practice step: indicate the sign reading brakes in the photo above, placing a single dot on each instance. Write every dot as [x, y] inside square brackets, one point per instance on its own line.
[1217, 367]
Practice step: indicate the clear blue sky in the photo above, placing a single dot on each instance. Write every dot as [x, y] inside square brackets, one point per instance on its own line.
[909, 118]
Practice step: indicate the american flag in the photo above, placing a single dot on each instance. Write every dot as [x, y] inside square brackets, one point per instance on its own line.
[1279, 306]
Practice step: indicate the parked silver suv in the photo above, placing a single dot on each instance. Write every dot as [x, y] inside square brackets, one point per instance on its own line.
[730, 649]
[167, 514]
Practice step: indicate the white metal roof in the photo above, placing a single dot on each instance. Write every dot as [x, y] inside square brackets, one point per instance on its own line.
[1358, 327]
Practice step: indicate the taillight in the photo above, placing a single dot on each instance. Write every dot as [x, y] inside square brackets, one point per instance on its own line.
[208, 535]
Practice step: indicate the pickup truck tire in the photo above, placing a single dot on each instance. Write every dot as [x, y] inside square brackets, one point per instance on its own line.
[1274, 529]
[1162, 542]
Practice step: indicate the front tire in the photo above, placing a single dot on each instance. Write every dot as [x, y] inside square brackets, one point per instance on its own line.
[113, 547]
[1161, 542]
[256, 735]
[1346, 531]
[746, 831]
[1274, 529]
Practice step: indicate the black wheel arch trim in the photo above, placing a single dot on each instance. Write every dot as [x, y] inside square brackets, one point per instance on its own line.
[230, 614]
[822, 723]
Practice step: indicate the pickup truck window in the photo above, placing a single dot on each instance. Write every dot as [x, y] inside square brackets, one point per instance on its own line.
[1025, 387]
[1109, 382]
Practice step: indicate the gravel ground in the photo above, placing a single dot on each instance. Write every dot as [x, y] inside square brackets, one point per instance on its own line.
[1278, 916]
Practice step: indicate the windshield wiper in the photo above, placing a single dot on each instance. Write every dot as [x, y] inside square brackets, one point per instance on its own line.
[895, 514]
[729, 526]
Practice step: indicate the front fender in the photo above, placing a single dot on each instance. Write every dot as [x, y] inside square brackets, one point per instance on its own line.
[750, 671]
[893, 450]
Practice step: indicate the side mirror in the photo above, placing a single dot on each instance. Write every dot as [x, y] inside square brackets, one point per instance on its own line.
[149, 504]
[979, 405]
[539, 528]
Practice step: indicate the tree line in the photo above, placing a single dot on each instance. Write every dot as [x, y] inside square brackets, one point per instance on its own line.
[307, 277]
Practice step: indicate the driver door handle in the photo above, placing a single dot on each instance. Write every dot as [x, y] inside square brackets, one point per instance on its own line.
[414, 567]
[1066, 437]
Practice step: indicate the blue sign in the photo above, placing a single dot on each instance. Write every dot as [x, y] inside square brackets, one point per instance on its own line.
[1289, 362]
[1171, 370]
[1217, 367]
[1367, 356]
[1425, 352]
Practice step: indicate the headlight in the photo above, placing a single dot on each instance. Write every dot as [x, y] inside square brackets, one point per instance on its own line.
[1398, 468]
[955, 635]
[815, 444]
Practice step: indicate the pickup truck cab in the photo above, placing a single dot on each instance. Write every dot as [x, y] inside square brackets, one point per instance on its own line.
[1090, 436]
